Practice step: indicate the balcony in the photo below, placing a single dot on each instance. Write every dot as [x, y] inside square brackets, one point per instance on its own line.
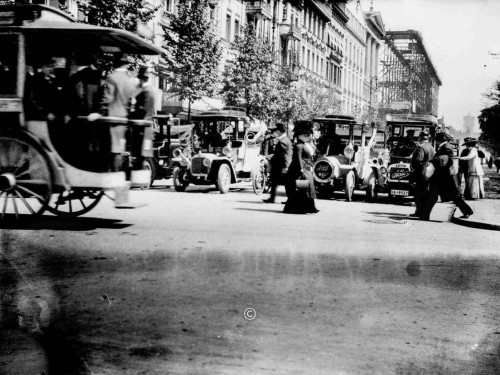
[259, 7]
[290, 29]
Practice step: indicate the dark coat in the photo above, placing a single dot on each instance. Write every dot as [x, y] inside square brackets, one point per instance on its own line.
[282, 156]
[83, 92]
[443, 178]
[423, 154]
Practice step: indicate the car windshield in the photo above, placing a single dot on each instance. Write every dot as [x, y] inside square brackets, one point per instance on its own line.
[332, 138]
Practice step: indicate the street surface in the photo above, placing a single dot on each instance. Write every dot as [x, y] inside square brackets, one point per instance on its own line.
[358, 288]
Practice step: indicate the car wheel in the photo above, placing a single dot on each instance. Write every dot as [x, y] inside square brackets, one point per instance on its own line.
[371, 190]
[148, 164]
[224, 178]
[179, 183]
[350, 181]
[259, 181]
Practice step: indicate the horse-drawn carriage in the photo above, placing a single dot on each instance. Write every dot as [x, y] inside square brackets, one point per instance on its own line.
[45, 163]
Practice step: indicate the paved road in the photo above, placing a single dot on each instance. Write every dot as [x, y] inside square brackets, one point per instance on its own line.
[356, 289]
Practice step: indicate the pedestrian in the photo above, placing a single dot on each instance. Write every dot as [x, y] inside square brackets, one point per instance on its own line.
[490, 162]
[421, 157]
[280, 161]
[144, 109]
[442, 183]
[300, 181]
[474, 181]
[119, 89]
[497, 164]
[463, 168]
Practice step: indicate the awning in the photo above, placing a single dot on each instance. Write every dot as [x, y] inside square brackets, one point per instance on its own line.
[172, 104]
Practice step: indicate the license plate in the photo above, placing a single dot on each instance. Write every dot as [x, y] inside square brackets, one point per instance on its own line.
[403, 193]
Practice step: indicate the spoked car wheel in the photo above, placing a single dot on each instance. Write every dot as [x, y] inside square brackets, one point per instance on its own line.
[73, 203]
[224, 178]
[25, 178]
[259, 181]
[350, 181]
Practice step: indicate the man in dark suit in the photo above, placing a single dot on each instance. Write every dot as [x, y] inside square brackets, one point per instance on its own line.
[443, 182]
[422, 155]
[280, 161]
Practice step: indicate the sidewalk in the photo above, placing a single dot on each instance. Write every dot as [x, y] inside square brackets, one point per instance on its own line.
[486, 214]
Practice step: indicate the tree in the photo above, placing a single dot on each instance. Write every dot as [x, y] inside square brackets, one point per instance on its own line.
[120, 14]
[252, 77]
[489, 122]
[195, 52]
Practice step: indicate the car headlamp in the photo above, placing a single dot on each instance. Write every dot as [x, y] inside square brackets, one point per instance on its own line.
[383, 170]
[206, 162]
[177, 153]
[187, 152]
[349, 151]
[226, 151]
[183, 162]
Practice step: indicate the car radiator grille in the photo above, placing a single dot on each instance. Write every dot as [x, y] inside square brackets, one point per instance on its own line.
[197, 166]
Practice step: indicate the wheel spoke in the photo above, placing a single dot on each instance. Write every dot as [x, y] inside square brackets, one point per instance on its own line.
[15, 206]
[31, 192]
[25, 202]
[83, 204]
[33, 182]
[5, 204]
[70, 206]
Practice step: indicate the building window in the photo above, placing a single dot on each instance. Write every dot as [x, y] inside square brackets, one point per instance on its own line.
[228, 27]
[236, 28]
[308, 59]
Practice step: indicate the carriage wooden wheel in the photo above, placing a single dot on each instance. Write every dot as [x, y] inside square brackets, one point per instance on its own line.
[25, 177]
[74, 202]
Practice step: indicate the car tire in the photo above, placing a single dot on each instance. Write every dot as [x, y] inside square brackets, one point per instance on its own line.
[148, 164]
[371, 190]
[179, 183]
[223, 178]
[350, 182]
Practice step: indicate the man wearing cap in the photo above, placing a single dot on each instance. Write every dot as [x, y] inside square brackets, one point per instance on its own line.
[443, 183]
[280, 161]
[423, 154]
[118, 92]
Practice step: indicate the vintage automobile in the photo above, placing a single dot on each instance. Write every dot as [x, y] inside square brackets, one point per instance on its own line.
[226, 150]
[43, 166]
[345, 160]
[170, 138]
[398, 182]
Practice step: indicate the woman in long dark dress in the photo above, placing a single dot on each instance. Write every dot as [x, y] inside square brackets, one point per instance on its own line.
[301, 200]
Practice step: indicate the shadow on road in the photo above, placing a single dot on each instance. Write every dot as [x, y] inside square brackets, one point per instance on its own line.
[256, 209]
[29, 222]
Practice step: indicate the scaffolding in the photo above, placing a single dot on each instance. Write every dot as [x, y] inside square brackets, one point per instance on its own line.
[408, 81]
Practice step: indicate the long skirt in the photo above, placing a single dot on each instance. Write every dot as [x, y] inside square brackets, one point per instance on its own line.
[475, 187]
[301, 201]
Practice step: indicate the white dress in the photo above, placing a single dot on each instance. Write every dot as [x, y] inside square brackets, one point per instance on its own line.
[475, 184]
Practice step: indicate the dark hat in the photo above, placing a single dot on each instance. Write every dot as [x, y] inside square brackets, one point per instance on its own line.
[410, 131]
[121, 59]
[280, 127]
[443, 137]
[424, 135]
[469, 140]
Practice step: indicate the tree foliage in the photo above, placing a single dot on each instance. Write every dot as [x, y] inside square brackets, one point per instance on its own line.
[252, 78]
[489, 122]
[195, 51]
[121, 14]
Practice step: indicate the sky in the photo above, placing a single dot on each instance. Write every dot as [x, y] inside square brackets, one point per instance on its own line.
[459, 36]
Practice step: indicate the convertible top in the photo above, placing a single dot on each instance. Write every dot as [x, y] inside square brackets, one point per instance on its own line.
[48, 28]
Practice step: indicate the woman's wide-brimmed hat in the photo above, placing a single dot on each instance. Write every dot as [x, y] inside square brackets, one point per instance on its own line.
[469, 141]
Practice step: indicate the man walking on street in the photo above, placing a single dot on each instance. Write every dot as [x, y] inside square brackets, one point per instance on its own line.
[280, 161]
[422, 155]
[442, 182]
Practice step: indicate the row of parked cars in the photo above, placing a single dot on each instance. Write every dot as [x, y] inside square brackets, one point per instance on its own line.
[222, 147]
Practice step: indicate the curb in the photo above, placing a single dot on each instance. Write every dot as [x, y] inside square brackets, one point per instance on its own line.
[475, 224]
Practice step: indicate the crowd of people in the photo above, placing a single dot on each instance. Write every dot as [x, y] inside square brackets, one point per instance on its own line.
[435, 175]
[61, 91]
